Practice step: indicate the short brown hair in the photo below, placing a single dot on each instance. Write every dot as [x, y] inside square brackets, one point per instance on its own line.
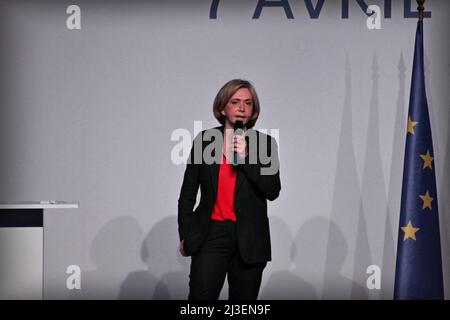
[227, 91]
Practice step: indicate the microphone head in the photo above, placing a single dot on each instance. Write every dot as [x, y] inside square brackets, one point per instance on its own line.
[238, 125]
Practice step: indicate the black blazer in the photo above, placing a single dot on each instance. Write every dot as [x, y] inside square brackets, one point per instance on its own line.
[252, 191]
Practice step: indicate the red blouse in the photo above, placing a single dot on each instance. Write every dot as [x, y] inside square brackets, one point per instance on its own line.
[224, 206]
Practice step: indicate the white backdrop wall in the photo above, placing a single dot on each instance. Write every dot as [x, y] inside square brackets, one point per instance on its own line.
[87, 116]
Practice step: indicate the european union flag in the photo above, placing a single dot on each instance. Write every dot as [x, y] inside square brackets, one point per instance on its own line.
[418, 273]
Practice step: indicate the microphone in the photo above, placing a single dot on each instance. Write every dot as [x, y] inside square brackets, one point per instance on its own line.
[238, 126]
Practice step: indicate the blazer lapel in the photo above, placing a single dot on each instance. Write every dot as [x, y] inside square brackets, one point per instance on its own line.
[214, 168]
[239, 180]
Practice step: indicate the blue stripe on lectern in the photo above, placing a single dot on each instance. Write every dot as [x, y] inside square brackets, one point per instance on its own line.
[21, 218]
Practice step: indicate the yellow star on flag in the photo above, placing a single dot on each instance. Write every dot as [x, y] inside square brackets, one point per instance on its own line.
[411, 125]
[410, 231]
[427, 158]
[426, 198]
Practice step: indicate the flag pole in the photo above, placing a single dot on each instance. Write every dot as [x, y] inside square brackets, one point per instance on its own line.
[421, 8]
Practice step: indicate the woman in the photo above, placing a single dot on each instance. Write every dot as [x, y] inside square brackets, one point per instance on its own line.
[228, 232]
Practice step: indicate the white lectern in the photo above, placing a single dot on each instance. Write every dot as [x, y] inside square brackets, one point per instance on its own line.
[22, 248]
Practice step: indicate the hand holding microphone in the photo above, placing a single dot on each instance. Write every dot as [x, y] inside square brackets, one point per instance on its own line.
[239, 143]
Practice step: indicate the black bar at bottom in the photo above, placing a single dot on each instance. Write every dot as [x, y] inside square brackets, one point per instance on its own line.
[21, 218]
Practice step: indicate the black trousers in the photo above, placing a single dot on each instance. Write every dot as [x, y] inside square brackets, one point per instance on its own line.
[217, 257]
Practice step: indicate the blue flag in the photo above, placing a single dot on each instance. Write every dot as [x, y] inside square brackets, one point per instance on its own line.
[418, 273]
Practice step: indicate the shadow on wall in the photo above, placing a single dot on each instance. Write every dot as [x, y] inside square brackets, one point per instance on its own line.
[283, 282]
[114, 251]
[159, 252]
[320, 264]
[307, 256]
[119, 247]
[336, 255]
